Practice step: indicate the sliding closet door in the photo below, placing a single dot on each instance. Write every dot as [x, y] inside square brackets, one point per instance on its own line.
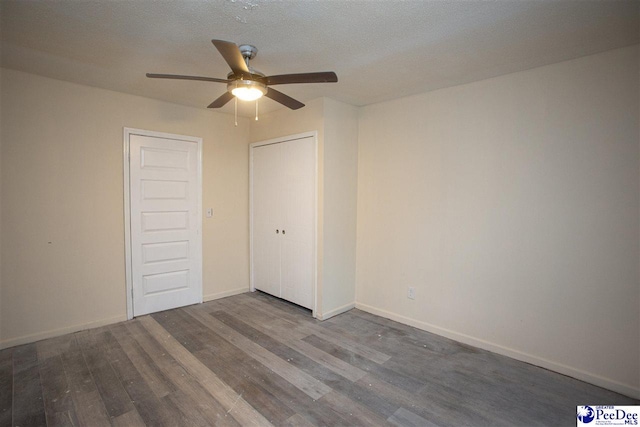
[267, 208]
[298, 219]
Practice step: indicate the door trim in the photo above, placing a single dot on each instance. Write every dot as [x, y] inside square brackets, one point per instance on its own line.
[314, 135]
[127, 132]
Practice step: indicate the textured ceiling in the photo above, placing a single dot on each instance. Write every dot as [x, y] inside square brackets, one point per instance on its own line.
[380, 49]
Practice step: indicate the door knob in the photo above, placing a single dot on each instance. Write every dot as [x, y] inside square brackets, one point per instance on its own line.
[283, 231]
[278, 231]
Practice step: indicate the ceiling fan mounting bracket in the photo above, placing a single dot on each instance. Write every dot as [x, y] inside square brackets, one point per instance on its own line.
[248, 51]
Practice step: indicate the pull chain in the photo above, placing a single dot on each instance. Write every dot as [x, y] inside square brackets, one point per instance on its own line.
[256, 110]
[236, 110]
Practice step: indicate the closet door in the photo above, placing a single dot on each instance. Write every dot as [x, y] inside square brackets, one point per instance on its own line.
[298, 221]
[267, 208]
[283, 219]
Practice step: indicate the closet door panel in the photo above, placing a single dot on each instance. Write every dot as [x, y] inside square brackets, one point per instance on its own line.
[267, 213]
[298, 217]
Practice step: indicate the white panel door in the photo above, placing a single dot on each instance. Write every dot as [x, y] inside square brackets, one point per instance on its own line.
[165, 223]
[298, 221]
[283, 219]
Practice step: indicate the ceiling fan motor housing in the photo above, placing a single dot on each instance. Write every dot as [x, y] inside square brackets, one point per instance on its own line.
[248, 51]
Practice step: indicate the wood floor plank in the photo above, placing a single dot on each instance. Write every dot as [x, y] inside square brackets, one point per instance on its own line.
[289, 309]
[184, 405]
[53, 346]
[284, 335]
[151, 409]
[297, 420]
[310, 409]
[317, 371]
[182, 380]
[90, 409]
[236, 368]
[265, 318]
[405, 418]
[65, 418]
[293, 351]
[259, 394]
[207, 339]
[394, 342]
[409, 335]
[318, 414]
[129, 419]
[56, 392]
[234, 403]
[307, 384]
[438, 410]
[393, 377]
[353, 346]
[6, 386]
[358, 413]
[115, 398]
[224, 363]
[28, 405]
[309, 327]
[152, 375]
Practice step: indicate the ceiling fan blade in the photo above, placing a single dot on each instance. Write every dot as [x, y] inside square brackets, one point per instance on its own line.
[231, 53]
[283, 99]
[179, 77]
[222, 100]
[321, 77]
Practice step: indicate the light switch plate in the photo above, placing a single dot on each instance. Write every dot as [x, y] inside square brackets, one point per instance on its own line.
[209, 212]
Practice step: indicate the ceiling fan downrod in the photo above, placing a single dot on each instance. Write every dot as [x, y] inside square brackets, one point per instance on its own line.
[248, 52]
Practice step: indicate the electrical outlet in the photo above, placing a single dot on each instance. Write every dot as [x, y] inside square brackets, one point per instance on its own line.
[209, 212]
[412, 293]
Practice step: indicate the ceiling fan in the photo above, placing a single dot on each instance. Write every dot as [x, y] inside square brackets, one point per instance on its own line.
[248, 84]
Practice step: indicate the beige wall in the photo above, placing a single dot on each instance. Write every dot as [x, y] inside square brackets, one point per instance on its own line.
[512, 206]
[62, 201]
[340, 206]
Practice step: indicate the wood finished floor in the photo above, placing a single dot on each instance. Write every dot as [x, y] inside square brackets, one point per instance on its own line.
[255, 360]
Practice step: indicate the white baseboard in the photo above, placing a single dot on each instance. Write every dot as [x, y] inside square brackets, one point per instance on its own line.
[336, 311]
[26, 339]
[579, 374]
[211, 297]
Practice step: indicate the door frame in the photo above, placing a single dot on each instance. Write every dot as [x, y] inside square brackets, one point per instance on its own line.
[127, 132]
[314, 135]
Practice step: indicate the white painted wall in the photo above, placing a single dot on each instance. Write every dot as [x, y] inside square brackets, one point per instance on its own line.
[512, 205]
[62, 202]
[340, 206]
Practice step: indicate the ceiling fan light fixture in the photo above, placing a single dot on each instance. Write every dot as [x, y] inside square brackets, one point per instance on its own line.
[247, 90]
